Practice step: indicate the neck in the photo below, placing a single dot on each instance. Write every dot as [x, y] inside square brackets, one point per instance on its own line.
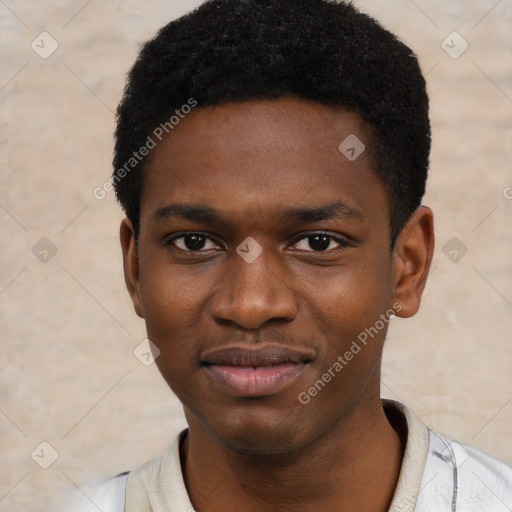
[349, 469]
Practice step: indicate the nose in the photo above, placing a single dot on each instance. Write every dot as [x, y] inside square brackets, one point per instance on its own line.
[252, 294]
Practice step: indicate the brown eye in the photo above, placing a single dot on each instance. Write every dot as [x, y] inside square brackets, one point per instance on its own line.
[193, 242]
[319, 242]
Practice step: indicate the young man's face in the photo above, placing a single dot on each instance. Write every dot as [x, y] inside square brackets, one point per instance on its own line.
[244, 334]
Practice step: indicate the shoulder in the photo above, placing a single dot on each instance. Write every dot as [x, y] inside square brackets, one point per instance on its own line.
[443, 475]
[467, 479]
[111, 495]
[482, 477]
[107, 496]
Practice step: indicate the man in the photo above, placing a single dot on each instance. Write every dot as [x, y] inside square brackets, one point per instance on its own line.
[271, 157]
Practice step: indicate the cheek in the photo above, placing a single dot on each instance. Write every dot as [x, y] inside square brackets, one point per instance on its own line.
[347, 306]
[351, 296]
[170, 304]
[171, 310]
[353, 340]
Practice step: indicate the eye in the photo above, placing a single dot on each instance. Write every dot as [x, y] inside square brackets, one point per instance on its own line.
[320, 242]
[193, 242]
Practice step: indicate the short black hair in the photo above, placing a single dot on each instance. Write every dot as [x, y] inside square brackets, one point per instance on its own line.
[318, 50]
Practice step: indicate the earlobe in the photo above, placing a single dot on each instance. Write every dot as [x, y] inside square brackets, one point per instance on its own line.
[412, 256]
[130, 263]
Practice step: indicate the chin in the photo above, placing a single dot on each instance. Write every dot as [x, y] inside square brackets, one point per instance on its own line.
[261, 432]
[262, 442]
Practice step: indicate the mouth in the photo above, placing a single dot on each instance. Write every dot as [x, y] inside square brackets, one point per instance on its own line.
[258, 372]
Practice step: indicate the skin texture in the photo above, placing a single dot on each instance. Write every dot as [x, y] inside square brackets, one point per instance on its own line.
[251, 162]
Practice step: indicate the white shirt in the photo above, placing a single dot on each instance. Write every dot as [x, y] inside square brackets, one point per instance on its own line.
[437, 475]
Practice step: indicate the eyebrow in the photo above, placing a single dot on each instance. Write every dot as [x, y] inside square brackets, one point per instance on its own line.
[187, 212]
[331, 211]
[304, 215]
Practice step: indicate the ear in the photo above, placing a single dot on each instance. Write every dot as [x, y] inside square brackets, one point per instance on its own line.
[412, 256]
[130, 263]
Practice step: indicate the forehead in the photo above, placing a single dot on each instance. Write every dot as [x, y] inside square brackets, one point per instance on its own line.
[257, 155]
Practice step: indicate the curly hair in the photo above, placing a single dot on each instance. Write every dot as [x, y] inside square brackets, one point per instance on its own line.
[318, 50]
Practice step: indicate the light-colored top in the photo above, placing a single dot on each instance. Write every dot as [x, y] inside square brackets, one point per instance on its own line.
[437, 475]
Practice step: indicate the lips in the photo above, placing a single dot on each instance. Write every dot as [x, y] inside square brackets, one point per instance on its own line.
[257, 372]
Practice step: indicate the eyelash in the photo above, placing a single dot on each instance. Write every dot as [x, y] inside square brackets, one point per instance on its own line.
[342, 243]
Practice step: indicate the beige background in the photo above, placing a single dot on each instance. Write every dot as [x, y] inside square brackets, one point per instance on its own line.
[68, 375]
